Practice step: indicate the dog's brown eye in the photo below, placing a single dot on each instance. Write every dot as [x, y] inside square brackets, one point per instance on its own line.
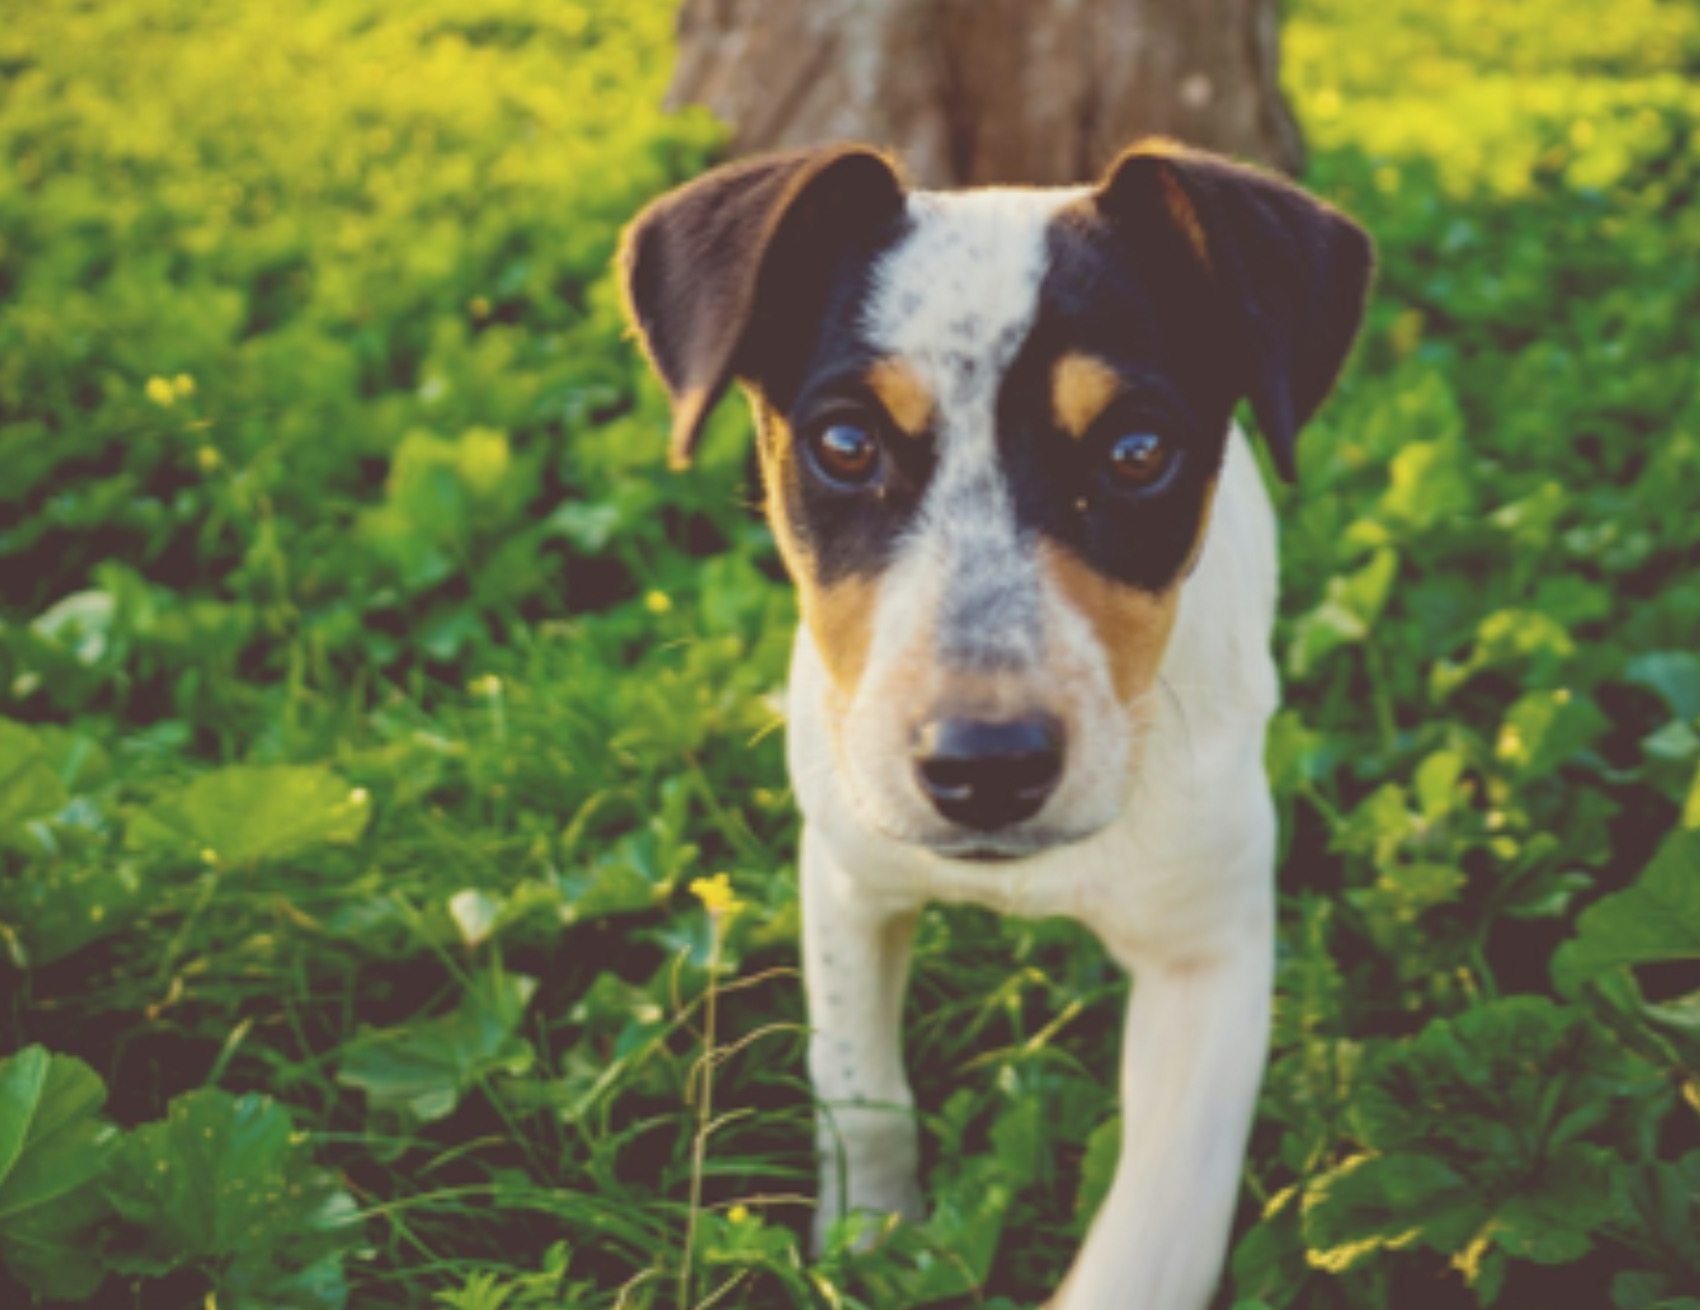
[1138, 460]
[846, 453]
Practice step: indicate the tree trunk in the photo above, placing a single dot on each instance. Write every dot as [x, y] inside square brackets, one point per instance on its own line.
[972, 92]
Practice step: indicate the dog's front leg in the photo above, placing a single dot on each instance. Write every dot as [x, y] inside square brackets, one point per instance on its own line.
[856, 948]
[1192, 1060]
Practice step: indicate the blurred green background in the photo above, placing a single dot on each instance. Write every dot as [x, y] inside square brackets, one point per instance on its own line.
[370, 699]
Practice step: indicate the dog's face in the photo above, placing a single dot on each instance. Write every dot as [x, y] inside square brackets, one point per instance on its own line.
[991, 425]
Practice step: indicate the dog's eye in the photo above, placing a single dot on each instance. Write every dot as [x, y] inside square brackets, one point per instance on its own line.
[845, 453]
[1138, 461]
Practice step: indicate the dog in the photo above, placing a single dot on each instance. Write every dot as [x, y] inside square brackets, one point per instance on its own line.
[1036, 564]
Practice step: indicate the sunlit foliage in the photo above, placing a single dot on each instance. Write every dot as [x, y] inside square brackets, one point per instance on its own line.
[389, 763]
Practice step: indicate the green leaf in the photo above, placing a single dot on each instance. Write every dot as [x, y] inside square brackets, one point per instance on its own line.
[1347, 612]
[1544, 729]
[1430, 483]
[1437, 784]
[1486, 1090]
[1394, 1201]
[1270, 1262]
[1674, 675]
[53, 1146]
[1098, 1167]
[224, 1184]
[1665, 1199]
[247, 813]
[1479, 1127]
[1551, 1221]
[1657, 918]
[65, 904]
[420, 1070]
[29, 786]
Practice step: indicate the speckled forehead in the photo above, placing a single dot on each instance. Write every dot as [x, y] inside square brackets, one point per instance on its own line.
[956, 297]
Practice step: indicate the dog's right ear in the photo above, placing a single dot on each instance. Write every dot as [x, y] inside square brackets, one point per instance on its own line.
[715, 271]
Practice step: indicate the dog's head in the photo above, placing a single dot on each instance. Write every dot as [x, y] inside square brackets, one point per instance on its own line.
[991, 424]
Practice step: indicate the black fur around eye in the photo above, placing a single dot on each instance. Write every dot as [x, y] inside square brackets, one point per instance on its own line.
[1139, 461]
[845, 453]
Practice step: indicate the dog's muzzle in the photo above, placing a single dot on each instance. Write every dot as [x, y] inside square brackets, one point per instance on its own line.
[988, 775]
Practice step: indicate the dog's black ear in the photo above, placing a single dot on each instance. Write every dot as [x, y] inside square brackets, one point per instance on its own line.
[718, 272]
[1290, 273]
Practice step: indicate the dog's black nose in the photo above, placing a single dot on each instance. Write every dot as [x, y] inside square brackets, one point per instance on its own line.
[989, 775]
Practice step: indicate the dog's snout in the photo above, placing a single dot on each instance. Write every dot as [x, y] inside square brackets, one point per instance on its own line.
[988, 775]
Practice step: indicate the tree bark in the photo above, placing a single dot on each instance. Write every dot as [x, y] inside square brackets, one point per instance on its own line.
[976, 92]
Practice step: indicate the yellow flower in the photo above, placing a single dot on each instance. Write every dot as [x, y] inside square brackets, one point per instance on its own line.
[208, 459]
[183, 384]
[738, 1213]
[658, 602]
[161, 392]
[716, 895]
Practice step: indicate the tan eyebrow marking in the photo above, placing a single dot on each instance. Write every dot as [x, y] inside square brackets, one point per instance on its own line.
[1081, 388]
[903, 394]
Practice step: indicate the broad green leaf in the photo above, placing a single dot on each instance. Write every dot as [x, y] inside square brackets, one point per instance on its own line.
[224, 1184]
[1665, 1198]
[1645, 1289]
[1551, 1221]
[1657, 918]
[1665, 1033]
[1488, 1089]
[1347, 612]
[1480, 1128]
[30, 788]
[53, 1147]
[1437, 784]
[247, 813]
[637, 872]
[67, 903]
[420, 1070]
[1675, 675]
[1430, 483]
[1394, 1201]
[1544, 729]
[1098, 1167]
[1270, 1262]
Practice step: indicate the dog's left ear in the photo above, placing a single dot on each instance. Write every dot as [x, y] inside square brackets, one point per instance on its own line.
[722, 275]
[1288, 271]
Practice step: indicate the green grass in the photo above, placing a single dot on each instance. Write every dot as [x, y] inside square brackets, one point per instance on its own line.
[370, 700]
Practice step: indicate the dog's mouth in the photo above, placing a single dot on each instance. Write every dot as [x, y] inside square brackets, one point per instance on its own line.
[980, 853]
[1001, 848]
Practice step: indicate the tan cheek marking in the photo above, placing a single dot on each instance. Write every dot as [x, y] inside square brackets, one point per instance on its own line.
[903, 394]
[1131, 626]
[840, 617]
[841, 620]
[1081, 388]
